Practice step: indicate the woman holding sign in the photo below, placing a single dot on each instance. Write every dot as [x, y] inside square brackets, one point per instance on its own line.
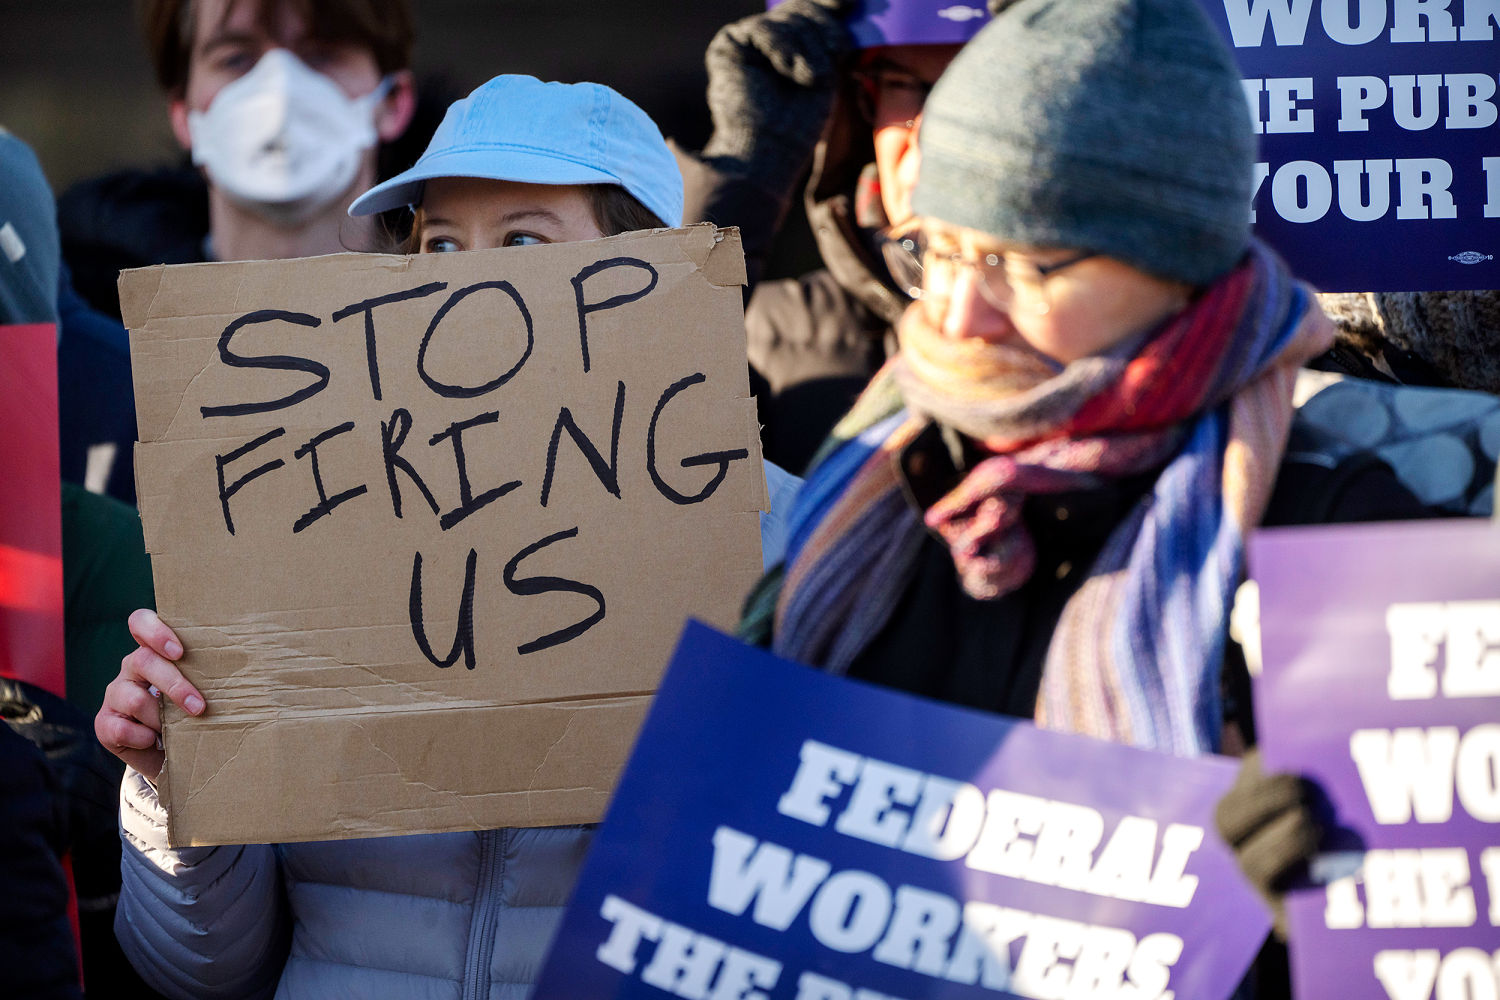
[518, 162]
[1039, 506]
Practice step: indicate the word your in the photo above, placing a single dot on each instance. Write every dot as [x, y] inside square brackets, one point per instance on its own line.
[1462, 974]
[1303, 190]
[1006, 833]
[1358, 22]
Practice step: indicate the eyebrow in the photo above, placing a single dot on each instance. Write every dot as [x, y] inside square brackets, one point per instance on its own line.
[221, 37]
[532, 213]
[508, 219]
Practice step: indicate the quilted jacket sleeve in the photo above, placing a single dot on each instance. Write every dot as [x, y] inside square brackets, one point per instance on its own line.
[200, 921]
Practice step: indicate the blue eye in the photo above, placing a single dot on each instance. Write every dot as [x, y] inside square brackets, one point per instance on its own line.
[440, 244]
[523, 240]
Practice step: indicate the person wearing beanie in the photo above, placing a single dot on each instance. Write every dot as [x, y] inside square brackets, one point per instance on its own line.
[518, 162]
[1039, 506]
[837, 85]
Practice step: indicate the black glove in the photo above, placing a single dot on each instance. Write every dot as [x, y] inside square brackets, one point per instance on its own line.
[772, 78]
[1268, 821]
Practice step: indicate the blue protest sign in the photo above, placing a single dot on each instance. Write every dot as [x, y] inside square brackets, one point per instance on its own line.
[1381, 684]
[781, 833]
[1379, 150]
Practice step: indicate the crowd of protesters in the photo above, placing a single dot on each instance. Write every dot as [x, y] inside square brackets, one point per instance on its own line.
[1032, 406]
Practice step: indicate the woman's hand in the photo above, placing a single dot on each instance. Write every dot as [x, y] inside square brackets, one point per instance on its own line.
[129, 722]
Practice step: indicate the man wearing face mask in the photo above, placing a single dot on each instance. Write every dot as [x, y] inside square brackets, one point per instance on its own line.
[284, 107]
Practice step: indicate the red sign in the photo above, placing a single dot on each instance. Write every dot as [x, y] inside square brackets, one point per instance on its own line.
[31, 581]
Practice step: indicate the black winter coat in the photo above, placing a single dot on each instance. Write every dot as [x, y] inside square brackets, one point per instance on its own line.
[814, 341]
[37, 950]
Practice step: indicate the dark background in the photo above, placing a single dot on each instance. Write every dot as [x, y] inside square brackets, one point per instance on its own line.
[75, 82]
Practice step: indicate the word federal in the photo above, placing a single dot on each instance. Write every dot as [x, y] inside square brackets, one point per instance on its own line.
[1003, 832]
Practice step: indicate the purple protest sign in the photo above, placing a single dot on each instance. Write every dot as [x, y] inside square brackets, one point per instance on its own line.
[781, 833]
[1381, 683]
[1379, 150]
[873, 23]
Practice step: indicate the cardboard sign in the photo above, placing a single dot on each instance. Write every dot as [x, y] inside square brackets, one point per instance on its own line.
[1379, 149]
[31, 579]
[428, 526]
[1381, 683]
[781, 833]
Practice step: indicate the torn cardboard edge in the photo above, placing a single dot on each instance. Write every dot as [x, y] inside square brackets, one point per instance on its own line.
[717, 251]
[550, 756]
[560, 747]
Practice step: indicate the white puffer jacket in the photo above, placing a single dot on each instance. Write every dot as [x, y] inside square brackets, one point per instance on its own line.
[453, 916]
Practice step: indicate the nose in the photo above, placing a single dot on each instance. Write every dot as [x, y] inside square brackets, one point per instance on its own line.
[969, 311]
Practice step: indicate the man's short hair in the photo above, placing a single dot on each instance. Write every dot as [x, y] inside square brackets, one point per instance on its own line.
[382, 26]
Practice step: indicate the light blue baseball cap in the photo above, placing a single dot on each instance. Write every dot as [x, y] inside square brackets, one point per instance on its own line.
[517, 128]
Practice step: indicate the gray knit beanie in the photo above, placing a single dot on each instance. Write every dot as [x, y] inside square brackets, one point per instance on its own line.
[1117, 126]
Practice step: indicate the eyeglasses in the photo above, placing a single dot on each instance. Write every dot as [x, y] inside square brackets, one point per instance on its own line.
[894, 93]
[924, 272]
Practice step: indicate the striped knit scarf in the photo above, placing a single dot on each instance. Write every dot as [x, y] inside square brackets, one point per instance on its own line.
[1136, 654]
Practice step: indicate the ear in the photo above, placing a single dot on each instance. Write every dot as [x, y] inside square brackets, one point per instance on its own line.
[395, 112]
[177, 111]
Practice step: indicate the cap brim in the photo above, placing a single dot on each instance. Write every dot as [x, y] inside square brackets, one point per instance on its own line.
[498, 164]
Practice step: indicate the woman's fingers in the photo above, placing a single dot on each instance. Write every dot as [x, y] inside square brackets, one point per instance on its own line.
[130, 717]
[150, 631]
[152, 662]
[129, 725]
[129, 721]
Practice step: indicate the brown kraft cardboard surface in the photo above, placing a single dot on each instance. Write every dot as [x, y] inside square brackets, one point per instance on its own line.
[429, 526]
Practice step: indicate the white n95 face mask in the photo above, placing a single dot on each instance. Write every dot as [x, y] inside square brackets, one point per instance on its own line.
[284, 140]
